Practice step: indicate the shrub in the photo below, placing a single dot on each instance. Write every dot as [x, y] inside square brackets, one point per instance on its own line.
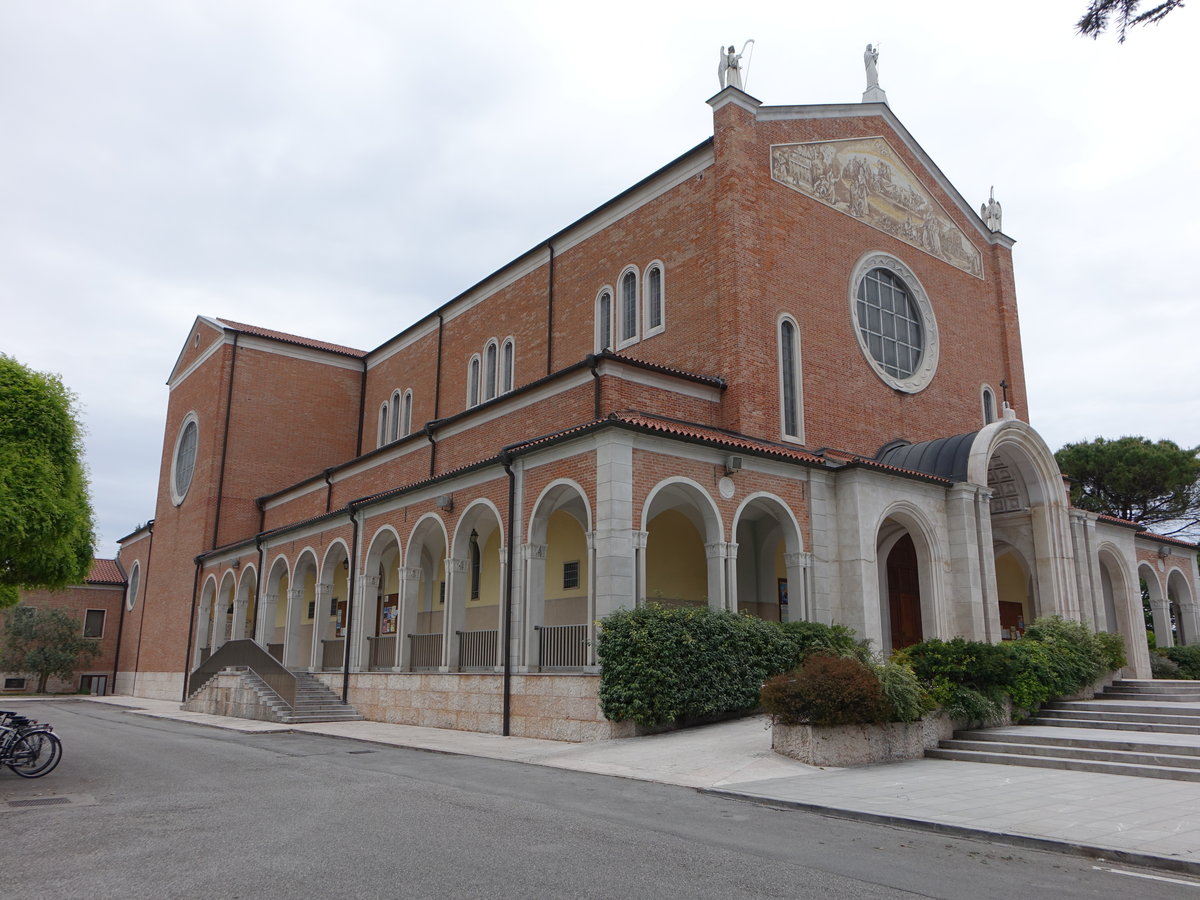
[1112, 650]
[827, 690]
[1036, 679]
[1163, 666]
[832, 640]
[1187, 658]
[984, 667]
[1075, 653]
[663, 665]
[907, 700]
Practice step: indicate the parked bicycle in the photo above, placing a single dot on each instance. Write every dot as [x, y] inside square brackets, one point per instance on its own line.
[29, 748]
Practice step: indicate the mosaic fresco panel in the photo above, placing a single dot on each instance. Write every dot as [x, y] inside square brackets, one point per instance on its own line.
[864, 178]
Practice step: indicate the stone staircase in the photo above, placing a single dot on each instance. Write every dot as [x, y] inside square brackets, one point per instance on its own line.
[1145, 728]
[314, 701]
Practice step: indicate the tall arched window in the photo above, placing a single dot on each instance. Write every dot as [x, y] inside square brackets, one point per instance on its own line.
[489, 371]
[383, 424]
[507, 362]
[654, 299]
[989, 406]
[394, 431]
[604, 332]
[629, 307]
[473, 382]
[406, 416]
[791, 405]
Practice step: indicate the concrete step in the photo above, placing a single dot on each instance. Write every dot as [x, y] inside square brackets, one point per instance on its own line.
[1145, 727]
[1084, 712]
[333, 717]
[1152, 697]
[1154, 685]
[1096, 754]
[1132, 744]
[1075, 765]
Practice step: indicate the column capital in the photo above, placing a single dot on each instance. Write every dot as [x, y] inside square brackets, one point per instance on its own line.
[456, 565]
[412, 573]
[295, 594]
[369, 581]
[324, 589]
[802, 559]
[534, 551]
[640, 538]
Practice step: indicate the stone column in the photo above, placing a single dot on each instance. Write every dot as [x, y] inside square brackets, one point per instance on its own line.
[731, 591]
[203, 629]
[406, 617]
[1160, 611]
[264, 630]
[616, 571]
[500, 648]
[291, 628]
[716, 553]
[363, 613]
[967, 614]
[455, 613]
[239, 616]
[534, 558]
[321, 595]
[797, 575]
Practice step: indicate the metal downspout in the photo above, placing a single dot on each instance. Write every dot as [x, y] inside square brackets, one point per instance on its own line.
[506, 460]
[187, 660]
[350, 589]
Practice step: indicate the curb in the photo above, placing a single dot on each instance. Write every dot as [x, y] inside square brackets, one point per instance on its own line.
[1051, 845]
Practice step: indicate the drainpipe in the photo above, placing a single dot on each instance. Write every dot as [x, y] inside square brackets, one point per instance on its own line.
[262, 580]
[350, 586]
[187, 660]
[328, 489]
[506, 459]
[593, 361]
[225, 443]
[362, 409]
[550, 311]
[428, 431]
[137, 653]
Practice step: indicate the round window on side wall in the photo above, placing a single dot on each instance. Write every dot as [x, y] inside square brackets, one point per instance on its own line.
[894, 323]
[183, 463]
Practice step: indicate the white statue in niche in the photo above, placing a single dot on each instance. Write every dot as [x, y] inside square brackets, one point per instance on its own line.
[729, 69]
[991, 211]
[871, 61]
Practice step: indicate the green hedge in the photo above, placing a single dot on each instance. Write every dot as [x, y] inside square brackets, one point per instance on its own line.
[665, 665]
[1187, 658]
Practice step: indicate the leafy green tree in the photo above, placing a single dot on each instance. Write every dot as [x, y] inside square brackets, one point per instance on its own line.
[44, 643]
[46, 532]
[1095, 20]
[1153, 484]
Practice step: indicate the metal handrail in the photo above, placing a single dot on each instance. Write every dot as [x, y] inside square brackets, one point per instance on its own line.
[250, 655]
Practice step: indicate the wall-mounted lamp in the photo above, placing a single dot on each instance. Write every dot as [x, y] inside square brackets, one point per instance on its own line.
[733, 464]
[236, 564]
[345, 565]
[445, 501]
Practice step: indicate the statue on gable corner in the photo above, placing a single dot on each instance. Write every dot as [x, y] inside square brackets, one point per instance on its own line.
[871, 61]
[991, 212]
[729, 69]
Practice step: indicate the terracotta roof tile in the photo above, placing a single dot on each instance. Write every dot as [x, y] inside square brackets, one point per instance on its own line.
[292, 339]
[714, 435]
[714, 380]
[105, 571]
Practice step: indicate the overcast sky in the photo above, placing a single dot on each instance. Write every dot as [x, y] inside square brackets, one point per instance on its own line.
[337, 169]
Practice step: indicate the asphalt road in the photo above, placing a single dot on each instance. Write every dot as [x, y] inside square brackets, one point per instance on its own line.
[160, 809]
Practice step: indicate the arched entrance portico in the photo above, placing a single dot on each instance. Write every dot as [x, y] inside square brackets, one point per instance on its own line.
[1161, 613]
[301, 608]
[204, 622]
[330, 609]
[769, 563]
[378, 611]
[1014, 592]
[246, 605]
[908, 588]
[475, 575]
[272, 615]
[559, 599]
[682, 559]
[423, 596]
[1182, 606]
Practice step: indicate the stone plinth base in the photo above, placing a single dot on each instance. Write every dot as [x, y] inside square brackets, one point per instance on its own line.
[859, 745]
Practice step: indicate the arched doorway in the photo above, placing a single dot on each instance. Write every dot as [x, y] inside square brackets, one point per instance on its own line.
[423, 597]
[378, 613]
[1179, 599]
[301, 608]
[769, 576]
[272, 617]
[331, 609]
[246, 606]
[1160, 610]
[559, 600]
[909, 591]
[904, 594]
[475, 581]
[1014, 592]
[204, 622]
[683, 563]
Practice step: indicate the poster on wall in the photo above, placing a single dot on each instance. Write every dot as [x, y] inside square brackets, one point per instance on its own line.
[783, 592]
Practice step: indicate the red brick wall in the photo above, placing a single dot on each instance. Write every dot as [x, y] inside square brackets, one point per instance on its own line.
[75, 601]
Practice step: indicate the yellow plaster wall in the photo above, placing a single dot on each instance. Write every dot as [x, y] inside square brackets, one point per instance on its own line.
[676, 568]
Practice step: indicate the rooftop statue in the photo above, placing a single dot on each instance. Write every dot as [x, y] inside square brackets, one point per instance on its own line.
[729, 69]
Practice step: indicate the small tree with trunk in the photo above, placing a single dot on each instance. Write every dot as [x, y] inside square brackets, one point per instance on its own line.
[45, 644]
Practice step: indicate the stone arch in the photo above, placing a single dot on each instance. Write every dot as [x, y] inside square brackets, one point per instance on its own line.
[272, 615]
[301, 607]
[1122, 601]
[908, 559]
[423, 595]
[376, 610]
[767, 560]
[1029, 507]
[1160, 611]
[559, 597]
[223, 612]
[1016, 592]
[246, 612]
[475, 575]
[331, 607]
[682, 535]
[208, 599]
[1182, 605]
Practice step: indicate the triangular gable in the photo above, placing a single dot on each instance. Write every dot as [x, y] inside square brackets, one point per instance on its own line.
[201, 337]
[866, 179]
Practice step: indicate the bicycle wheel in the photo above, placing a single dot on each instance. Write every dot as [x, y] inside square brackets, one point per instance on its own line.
[35, 754]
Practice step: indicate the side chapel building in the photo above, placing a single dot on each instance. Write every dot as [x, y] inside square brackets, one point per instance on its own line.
[782, 375]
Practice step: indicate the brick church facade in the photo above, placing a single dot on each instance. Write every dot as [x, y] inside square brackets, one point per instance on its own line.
[782, 375]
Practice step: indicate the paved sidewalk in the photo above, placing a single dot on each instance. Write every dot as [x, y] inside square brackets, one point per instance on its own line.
[1119, 817]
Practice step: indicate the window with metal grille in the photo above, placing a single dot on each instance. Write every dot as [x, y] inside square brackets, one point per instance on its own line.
[890, 323]
[629, 306]
[571, 575]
